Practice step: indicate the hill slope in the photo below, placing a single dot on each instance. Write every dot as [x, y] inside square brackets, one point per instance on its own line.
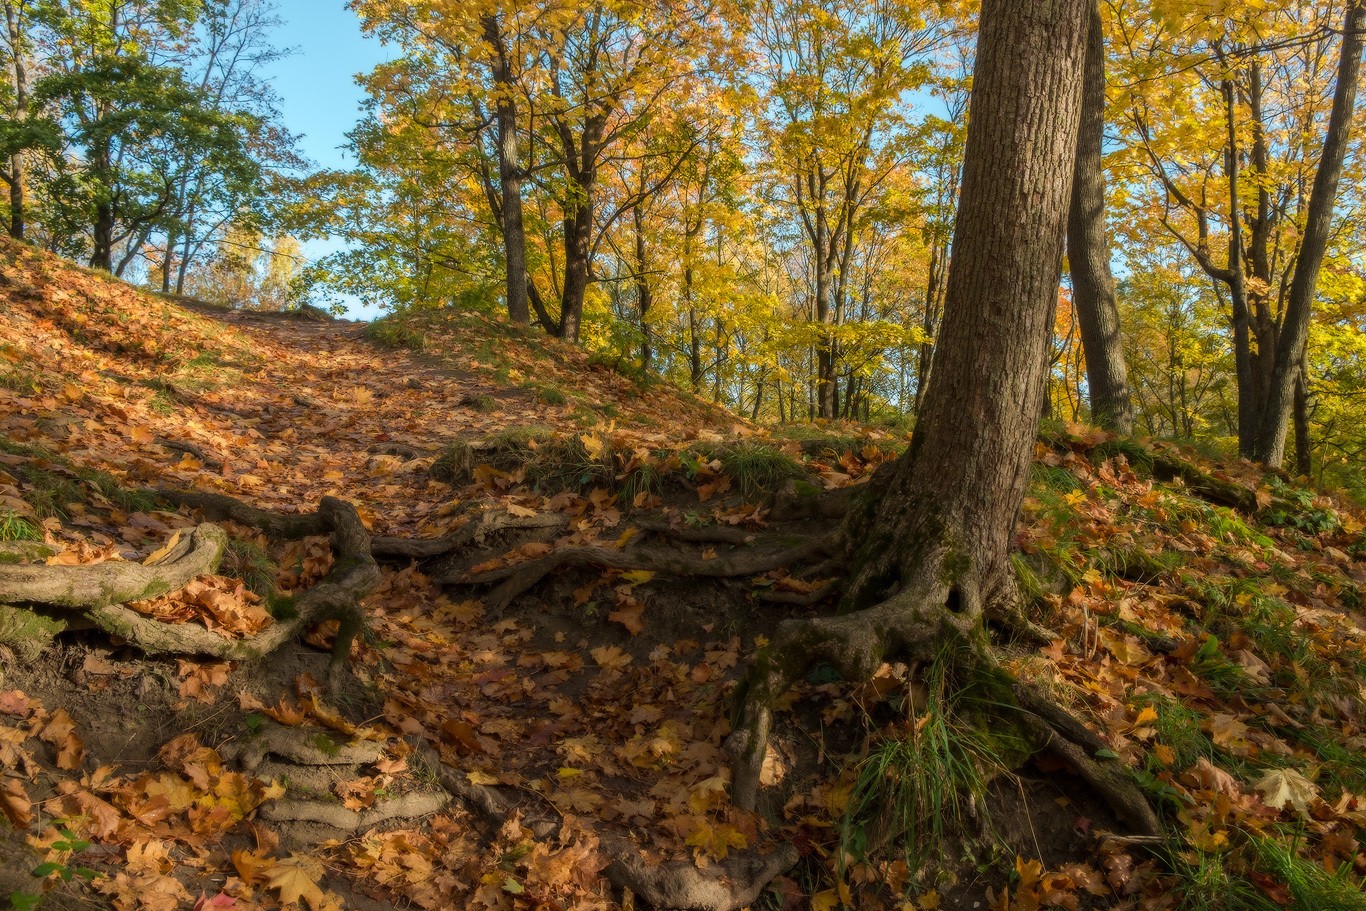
[568, 685]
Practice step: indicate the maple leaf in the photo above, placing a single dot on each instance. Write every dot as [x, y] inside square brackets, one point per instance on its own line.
[296, 879]
[60, 731]
[1286, 787]
[716, 841]
[609, 657]
[630, 617]
[220, 902]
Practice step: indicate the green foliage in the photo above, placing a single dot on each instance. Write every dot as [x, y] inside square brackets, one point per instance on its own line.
[1298, 507]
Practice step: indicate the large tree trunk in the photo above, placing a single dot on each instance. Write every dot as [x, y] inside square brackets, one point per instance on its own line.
[1088, 253]
[930, 542]
[1270, 441]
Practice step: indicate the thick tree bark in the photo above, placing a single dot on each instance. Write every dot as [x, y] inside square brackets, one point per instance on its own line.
[1290, 345]
[962, 483]
[1088, 253]
[931, 539]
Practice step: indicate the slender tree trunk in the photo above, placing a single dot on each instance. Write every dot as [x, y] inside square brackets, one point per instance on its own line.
[1244, 362]
[1290, 345]
[509, 175]
[1304, 447]
[16, 173]
[167, 260]
[1088, 253]
[644, 293]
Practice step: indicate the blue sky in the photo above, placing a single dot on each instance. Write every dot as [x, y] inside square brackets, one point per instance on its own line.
[319, 97]
[318, 93]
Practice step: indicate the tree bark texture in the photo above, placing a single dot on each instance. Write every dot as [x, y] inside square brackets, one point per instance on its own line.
[1290, 343]
[960, 486]
[1088, 252]
[509, 175]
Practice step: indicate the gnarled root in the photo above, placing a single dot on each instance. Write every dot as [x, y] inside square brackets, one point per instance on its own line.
[733, 883]
[98, 592]
[518, 578]
[114, 582]
[910, 626]
[336, 596]
[913, 625]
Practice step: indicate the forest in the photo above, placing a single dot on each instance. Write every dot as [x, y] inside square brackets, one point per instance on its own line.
[755, 202]
[813, 454]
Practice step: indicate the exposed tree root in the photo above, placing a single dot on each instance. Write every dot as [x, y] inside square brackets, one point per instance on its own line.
[289, 526]
[701, 534]
[472, 532]
[210, 462]
[518, 578]
[913, 625]
[98, 592]
[800, 599]
[114, 582]
[792, 503]
[733, 883]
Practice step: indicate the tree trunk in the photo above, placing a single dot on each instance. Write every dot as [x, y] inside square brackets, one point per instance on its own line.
[930, 542]
[509, 175]
[16, 184]
[644, 293]
[1304, 447]
[1290, 344]
[1088, 253]
[103, 255]
[1245, 362]
[578, 229]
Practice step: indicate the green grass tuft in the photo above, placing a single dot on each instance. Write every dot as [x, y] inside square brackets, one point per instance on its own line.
[14, 527]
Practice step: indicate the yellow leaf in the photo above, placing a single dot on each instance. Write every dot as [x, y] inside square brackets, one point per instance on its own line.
[162, 552]
[296, 878]
[828, 900]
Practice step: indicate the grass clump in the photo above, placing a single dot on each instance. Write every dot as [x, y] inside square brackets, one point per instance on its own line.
[756, 469]
[389, 333]
[928, 780]
[1312, 888]
[14, 527]
[1205, 883]
[247, 560]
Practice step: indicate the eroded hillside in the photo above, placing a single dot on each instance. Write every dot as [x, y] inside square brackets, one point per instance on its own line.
[572, 570]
